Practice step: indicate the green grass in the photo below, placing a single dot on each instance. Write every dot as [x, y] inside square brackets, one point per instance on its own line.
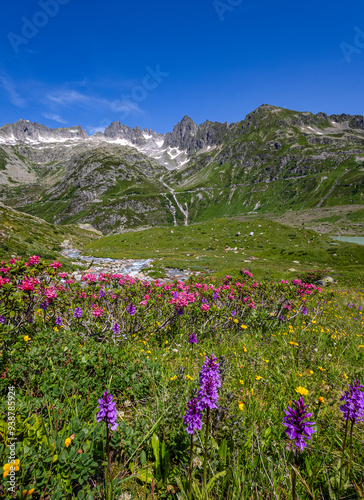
[205, 242]
[22, 235]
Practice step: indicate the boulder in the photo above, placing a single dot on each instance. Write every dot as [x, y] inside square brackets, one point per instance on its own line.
[326, 281]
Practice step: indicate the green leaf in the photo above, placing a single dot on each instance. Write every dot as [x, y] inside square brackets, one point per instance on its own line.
[181, 488]
[131, 467]
[196, 489]
[223, 450]
[145, 475]
[143, 457]
[308, 467]
[214, 444]
[213, 479]
[155, 445]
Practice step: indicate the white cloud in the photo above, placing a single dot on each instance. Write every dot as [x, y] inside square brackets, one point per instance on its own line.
[66, 97]
[14, 97]
[54, 117]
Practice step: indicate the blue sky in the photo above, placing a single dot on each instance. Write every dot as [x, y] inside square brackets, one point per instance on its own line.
[88, 63]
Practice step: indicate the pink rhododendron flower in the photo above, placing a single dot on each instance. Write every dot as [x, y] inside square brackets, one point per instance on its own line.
[3, 281]
[28, 284]
[35, 259]
[50, 293]
[55, 264]
[90, 277]
[97, 312]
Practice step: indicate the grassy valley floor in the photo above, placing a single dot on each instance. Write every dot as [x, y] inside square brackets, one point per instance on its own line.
[225, 246]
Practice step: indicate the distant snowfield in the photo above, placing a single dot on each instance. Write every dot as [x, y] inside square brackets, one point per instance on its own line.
[152, 146]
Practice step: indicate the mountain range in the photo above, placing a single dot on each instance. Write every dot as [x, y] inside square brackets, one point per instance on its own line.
[272, 161]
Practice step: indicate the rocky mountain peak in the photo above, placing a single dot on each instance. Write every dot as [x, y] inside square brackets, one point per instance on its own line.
[27, 131]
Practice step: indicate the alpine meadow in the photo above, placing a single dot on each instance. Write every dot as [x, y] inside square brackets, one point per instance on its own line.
[181, 300]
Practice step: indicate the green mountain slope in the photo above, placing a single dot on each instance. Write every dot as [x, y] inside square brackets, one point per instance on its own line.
[272, 161]
[111, 188]
[23, 235]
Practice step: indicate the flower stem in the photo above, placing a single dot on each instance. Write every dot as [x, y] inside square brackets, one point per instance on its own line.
[343, 453]
[351, 445]
[205, 459]
[294, 477]
[190, 471]
[108, 477]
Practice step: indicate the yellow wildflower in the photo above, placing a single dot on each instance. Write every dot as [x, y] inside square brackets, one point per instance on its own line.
[26, 338]
[258, 377]
[242, 382]
[7, 467]
[302, 391]
[188, 377]
[321, 399]
[174, 378]
[241, 406]
[236, 320]
[27, 493]
[322, 369]
[244, 327]
[293, 343]
[67, 442]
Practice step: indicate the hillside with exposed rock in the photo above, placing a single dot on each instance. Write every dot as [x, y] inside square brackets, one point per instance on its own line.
[272, 161]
